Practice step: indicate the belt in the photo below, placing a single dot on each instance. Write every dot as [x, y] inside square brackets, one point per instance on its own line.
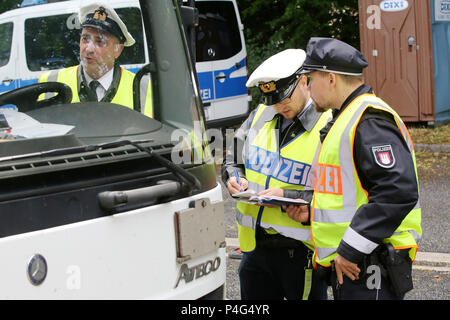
[371, 259]
[375, 258]
[277, 240]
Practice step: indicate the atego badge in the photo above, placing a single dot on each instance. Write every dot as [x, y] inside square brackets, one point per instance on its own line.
[384, 156]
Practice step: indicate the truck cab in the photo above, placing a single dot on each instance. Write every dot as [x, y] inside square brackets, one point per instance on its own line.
[219, 52]
[101, 201]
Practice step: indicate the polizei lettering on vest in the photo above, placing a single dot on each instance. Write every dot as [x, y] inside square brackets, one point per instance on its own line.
[198, 271]
[282, 169]
[329, 179]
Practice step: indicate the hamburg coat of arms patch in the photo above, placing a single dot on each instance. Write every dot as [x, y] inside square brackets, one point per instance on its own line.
[384, 156]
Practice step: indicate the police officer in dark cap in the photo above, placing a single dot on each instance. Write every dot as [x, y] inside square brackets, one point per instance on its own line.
[366, 216]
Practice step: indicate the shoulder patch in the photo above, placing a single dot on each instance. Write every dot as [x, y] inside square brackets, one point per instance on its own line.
[384, 156]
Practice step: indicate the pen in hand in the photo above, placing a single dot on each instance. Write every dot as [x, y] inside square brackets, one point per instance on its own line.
[237, 179]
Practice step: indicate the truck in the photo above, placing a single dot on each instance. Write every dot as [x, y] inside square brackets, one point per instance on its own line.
[98, 200]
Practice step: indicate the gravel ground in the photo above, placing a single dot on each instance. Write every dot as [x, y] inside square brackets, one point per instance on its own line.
[434, 180]
[429, 283]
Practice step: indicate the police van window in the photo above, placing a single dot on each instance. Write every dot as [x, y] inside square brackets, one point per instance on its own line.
[53, 42]
[218, 35]
[132, 19]
[6, 31]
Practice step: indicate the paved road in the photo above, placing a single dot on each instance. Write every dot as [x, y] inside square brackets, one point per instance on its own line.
[431, 275]
[431, 282]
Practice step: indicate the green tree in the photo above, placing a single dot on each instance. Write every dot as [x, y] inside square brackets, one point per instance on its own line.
[6, 5]
[274, 25]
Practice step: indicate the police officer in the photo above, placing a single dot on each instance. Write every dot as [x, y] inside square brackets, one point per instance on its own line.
[276, 150]
[99, 77]
[366, 217]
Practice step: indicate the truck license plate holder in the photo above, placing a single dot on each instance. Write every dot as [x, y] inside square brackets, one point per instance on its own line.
[199, 229]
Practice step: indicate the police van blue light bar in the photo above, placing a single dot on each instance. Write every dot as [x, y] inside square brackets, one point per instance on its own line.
[28, 3]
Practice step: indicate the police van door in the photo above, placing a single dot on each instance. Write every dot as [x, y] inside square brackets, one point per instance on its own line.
[221, 62]
[8, 80]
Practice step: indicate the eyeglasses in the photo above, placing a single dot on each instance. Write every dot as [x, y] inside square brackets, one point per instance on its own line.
[308, 80]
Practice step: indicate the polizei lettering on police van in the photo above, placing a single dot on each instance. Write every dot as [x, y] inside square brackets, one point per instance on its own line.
[282, 169]
[198, 271]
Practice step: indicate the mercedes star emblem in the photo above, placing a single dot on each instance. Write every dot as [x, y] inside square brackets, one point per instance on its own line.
[37, 269]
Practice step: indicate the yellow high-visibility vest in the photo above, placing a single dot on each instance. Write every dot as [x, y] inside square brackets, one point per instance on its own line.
[267, 166]
[338, 192]
[123, 96]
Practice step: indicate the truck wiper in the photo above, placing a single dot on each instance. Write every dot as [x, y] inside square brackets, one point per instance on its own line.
[73, 150]
[185, 177]
[110, 200]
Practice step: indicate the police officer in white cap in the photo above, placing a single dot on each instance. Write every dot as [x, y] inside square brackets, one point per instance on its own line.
[99, 77]
[276, 150]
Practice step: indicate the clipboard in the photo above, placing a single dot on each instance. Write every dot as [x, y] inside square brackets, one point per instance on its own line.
[251, 197]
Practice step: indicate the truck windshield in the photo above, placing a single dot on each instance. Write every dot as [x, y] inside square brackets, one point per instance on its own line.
[163, 108]
[53, 55]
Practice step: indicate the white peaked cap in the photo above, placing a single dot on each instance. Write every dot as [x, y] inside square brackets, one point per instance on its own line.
[278, 66]
[111, 14]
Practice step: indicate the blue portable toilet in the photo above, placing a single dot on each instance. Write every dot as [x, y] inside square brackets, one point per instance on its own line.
[440, 17]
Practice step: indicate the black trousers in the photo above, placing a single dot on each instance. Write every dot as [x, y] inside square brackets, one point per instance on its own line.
[277, 274]
[358, 290]
[363, 288]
